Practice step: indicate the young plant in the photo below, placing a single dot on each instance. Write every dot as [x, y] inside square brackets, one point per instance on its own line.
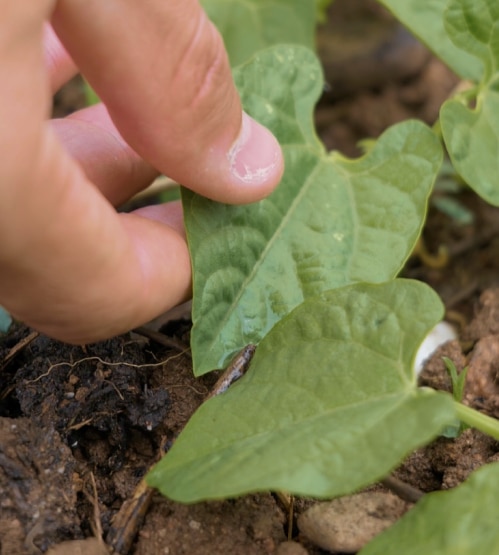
[330, 403]
[331, 222]
[457, 381]
[333, 366]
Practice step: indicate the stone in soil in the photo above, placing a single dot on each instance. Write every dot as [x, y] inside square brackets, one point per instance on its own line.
[348, 523]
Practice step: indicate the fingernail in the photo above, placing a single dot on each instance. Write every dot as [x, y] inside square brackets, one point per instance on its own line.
[256, 156]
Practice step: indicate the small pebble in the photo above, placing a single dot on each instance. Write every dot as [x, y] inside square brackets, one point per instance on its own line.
[348, 523]
[439, 335]
[291, 548]
[90, 546]
[194, 525]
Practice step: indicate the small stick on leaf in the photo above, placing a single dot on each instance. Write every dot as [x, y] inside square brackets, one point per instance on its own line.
[236, 369]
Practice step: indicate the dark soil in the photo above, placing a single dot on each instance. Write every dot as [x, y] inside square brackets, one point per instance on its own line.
[80, 426]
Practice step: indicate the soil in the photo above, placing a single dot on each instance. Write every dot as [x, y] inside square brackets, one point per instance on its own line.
[80, 426]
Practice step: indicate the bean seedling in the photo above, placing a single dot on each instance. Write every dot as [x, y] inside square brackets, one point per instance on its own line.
[330, 403]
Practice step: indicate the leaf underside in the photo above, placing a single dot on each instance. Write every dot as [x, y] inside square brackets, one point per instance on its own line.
[329, 403]
[332, 221]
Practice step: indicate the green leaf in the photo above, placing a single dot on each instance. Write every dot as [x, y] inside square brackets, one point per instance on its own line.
[473, 26]
[248, 26]
[462, 521]
[5, 320]
[328, 405]
[471, 134]
[426, 21]
[331, 222]
[321, 9]
[458, 380]
[90, 95]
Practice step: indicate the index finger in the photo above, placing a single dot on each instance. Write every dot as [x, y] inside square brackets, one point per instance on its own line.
[163, 73]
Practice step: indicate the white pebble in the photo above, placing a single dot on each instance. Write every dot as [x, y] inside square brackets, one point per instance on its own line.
[439, 335]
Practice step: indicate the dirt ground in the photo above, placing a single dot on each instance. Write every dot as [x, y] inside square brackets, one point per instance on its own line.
[80, 426]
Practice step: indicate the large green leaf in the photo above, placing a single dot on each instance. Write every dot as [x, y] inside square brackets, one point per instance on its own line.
[328, 405]
[248, 26]
[471, 133]
[458, 522]
[426, 20]
[332, 221]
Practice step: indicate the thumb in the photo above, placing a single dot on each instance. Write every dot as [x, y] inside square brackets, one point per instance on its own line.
[162, 70]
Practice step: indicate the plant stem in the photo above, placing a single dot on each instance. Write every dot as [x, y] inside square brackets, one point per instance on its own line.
[475, 419]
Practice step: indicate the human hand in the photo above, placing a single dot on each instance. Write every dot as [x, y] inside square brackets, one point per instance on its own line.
[70, 266]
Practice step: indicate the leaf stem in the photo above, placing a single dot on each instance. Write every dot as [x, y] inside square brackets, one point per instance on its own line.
[475, 419]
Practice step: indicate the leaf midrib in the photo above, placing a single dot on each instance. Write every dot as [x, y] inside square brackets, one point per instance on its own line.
[404, 395]
[244, 284]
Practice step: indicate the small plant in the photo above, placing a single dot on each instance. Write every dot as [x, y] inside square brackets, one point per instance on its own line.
[458, 381]
[330, 403]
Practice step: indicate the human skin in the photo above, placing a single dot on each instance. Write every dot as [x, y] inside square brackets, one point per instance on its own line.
[70, 265]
